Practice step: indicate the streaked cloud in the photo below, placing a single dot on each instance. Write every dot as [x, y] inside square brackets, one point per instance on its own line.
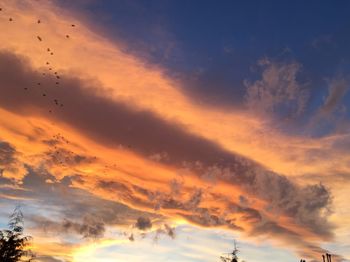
[278, 91]
[337, 90]
[114, 143]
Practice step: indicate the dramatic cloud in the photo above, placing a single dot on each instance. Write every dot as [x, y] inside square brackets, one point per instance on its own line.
[88, 228]
[121, 125]
[337, 90]
[108, 141]
[79, 211]
[82, 108]
[7, 154]
[143, 223]
[278, 91]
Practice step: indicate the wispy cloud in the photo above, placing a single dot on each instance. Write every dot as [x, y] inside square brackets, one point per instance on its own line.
[278, 91]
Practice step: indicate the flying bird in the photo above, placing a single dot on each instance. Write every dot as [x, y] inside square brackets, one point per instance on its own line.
[39, 21]
[10, 19]
[40, 39]
[67, 36]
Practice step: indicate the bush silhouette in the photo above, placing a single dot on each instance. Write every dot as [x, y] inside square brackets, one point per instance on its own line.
[12, 241]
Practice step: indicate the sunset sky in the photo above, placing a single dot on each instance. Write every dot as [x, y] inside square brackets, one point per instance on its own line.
[162, 130]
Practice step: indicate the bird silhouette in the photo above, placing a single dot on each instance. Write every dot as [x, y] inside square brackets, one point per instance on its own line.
[40, 39]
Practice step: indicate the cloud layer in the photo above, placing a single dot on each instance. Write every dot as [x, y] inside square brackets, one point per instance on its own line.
[302, 208]
[97, 131]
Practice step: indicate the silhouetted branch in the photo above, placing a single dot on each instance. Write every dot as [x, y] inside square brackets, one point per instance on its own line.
[12, 241]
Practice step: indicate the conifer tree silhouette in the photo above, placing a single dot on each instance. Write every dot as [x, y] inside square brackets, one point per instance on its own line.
[12, 241]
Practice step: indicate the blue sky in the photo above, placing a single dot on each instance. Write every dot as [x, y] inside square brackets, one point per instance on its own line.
[219, 43]
[213, 48]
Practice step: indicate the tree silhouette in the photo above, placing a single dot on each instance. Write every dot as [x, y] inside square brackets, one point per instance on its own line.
[232, 256]
[12, 241]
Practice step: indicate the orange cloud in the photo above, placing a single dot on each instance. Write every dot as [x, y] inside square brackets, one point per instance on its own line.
[100, 73]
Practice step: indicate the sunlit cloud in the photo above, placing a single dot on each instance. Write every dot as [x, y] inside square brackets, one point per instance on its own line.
[89, 128]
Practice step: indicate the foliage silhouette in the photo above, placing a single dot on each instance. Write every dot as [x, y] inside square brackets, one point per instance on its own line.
[232, 256]
[13, 244]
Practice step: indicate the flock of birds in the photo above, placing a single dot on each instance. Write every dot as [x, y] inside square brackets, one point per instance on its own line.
[57, 155]
[52, 73]
[61, 156]
[55, 74]
[49, 72]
